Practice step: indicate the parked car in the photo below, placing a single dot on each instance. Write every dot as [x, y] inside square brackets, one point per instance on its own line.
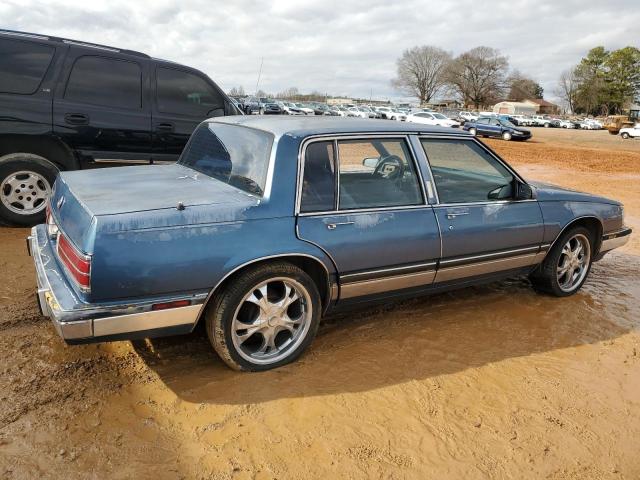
[252, 106]
[68, 105]
[432, 118]
[306, 109]
[497, 127]
[630, 132]
[590, 124]
[127, 253]
[289, 108]
[468, 116]
[271, 107]
[566, 124]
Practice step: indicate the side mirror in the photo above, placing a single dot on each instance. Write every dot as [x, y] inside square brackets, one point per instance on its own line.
[523, 191]
[370, 162]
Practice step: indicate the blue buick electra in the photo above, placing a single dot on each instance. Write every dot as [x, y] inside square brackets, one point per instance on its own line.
[266, 224]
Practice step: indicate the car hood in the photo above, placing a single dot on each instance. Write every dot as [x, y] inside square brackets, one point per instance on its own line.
[141, 197]
[550, 192]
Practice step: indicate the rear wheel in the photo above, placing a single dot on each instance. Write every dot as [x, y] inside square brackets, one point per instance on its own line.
[473, 131]
[506, 136]
[265, 318]
[567, 265]
[25, 186]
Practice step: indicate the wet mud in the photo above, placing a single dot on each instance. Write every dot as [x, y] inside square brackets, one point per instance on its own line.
[487, 382]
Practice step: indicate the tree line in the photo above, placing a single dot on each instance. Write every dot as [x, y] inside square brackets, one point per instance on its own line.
[603, 82]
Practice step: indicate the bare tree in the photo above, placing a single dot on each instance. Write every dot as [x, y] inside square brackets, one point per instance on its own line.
[568, 87]
[479, 75]
[522, 87]
[237, 92]
[421, 72]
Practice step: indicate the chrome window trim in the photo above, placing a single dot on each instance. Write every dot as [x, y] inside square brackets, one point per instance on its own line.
[336, 137]
[486, 149]
[360, 210]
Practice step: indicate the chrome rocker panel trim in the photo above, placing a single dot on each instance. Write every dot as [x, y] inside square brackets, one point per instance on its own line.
[80, 322]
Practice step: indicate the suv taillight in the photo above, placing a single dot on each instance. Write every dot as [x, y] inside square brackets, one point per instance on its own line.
[77, 264]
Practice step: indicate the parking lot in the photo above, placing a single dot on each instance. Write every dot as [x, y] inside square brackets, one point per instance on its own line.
[486, 382]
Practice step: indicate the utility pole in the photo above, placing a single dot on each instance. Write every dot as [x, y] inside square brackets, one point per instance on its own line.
[259, 74]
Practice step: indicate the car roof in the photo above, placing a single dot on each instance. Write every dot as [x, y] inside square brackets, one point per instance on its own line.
[299, 126]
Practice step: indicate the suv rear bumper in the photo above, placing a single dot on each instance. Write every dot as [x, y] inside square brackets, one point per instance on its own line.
[81, 322]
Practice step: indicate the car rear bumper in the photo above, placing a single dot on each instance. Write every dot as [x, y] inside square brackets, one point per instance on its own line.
[80, 322]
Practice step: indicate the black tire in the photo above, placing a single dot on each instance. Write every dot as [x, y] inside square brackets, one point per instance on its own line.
[545, 277]
[547, 125]
[24, 162]
[506, 136]
[625, 135]
[221, 311]
[473, 131]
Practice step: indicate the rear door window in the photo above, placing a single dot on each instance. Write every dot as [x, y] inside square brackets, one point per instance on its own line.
[23, 65]
[319, 179]
[185, 93]
[105, 81]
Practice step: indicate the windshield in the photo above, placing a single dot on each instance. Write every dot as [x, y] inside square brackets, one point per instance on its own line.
[506, 123]
[235, 155]
[439, 116]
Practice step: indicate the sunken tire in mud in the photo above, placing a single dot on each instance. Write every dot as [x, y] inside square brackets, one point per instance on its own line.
[265, 317]
[25, 185]
[566, 267]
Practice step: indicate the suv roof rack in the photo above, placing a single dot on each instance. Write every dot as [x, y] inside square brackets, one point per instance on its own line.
[67, 41]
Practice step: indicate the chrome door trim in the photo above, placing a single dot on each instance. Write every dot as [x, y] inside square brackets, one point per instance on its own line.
[415, 266]
[386, 284]
[487, 256]
[485, 267]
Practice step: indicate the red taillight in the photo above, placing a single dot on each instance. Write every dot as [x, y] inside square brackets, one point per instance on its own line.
[78, 265]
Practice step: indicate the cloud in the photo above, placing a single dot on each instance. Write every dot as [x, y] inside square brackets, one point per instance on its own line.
[338, 47]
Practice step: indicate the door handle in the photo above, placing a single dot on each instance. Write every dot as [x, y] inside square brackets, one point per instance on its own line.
[165, 127]
[332, 226]
[76, 118]
[453, 215]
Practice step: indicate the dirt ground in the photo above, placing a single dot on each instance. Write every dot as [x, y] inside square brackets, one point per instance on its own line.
[487, 382]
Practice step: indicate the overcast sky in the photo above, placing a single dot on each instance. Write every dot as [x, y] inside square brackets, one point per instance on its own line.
[346, 47]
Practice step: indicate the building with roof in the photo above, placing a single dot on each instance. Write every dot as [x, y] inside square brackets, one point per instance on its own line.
[514, 108]
[543, 107]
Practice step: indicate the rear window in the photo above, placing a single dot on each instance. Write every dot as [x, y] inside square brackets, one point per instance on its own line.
[236, 155]
[105, 81]
[23, 65]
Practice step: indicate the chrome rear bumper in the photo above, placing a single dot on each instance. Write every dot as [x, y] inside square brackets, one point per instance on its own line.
[77, 321]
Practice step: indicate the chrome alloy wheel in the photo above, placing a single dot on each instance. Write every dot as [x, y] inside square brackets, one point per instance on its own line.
[25, 192]
[573, 263]
[271, 320]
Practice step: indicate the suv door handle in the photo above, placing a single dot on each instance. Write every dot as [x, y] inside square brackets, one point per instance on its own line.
[76, 118]
[165, 127]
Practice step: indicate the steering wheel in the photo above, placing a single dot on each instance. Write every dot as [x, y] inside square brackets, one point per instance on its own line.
[390, 167]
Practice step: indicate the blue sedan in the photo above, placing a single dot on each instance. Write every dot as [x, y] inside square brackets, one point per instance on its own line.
[264, 225]
[499, 127]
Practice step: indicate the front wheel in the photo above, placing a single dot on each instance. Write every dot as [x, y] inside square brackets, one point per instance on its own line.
[473, 131]
[566, 266]
[25, 186]
[265, 318]
[506, 136]
[625, 135]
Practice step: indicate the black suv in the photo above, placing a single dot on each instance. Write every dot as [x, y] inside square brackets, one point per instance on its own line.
[68, 105]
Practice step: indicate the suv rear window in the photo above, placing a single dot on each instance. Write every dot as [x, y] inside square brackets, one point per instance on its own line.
[105, 81]
[236, 155]
[23, 65]
[185, 93]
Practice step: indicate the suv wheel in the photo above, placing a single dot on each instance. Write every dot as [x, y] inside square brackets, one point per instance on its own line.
[567, 265]
[266, 318]
[25, 186]
[506, 136]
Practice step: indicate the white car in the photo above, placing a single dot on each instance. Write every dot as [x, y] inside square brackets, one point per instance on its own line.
[630, 132]
[304, 109]
[590, 124]
[468, 116]
[567, 124]
[432, 118]
[290, 108]
[361, 112]
[392, 114]
[540, 121]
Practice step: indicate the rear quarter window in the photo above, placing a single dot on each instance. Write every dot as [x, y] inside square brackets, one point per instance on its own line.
[23, 65]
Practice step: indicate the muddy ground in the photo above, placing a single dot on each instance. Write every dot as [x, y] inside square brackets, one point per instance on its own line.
[487, 382]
